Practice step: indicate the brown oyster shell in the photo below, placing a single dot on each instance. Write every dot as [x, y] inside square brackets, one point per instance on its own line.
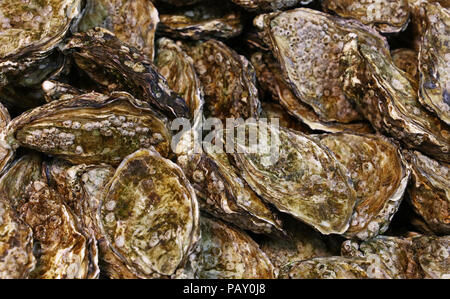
[149, 214]
[386, 16]
[299, 176]
[204, 21]
[379, 177]
[308, 45]
[429, 191]
[434, 61]
[16, 244]
[271, 110]
[226, 252]
[132, 21]
[54, 91]
[229, 81]
[115, 66]
[272, 82]
[5, 152]
[269, 5]
[387, 98]
[407, 60]
[91, 128]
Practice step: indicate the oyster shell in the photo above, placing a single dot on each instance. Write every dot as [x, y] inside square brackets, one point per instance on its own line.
[407, 61]
[337, 267]
[429, 191]
[54, 91]
[132, 21]
[308, 45]
[386, 16]
[204, 21]
[178, 68]
[303, 179]
[269, 5]
[5, 152]
[376, 168]
[228, 253]
[16, 244]
[149, 214]
[434, 61]
[386, 96]
[229, 81]
[91, 128]
[115, 66]
[274, 110]
[272, 82]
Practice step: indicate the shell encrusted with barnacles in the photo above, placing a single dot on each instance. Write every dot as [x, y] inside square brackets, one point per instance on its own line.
[255, 139]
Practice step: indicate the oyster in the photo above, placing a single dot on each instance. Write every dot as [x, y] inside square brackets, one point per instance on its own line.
[407, 61]
[272, 82]
[62, 249]
[376, 168]
[228, 253]
[412, 257]
[308, 45]
[149, 214]
[178, 68]
[132, 21]
[229, 81]
[337, 267]
[385, 15]
[115, 66]
[298, 175]
[387, 98]
[429, 191]
[54, 91]
[203, 21]
[5, 152]
[269, 5]
[434, 61]
[16, 244]
[91, 128]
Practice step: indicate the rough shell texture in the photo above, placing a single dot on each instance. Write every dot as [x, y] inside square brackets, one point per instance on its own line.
[115, 66]
[16, 244]
[133, 22]
[407, 61]
[379, 176]
[91, 128]
[228, 79]
[387, 98]
[269, 5]
[385, 15]
[429, 191]
[434, 61]
[54, 91]
[299, 176]
[308, 45]
[5, 152]
[228, 253]
[204, 21]
[149, 214]
[271, 81]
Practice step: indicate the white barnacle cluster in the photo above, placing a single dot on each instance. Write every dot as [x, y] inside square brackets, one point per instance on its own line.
[50, 139]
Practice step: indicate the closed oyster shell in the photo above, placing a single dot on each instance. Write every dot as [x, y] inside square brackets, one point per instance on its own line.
[407, 61]
[115, 66]
[299, 176]
[229, 81]
[228, 253]
[271, 81]
[149, 214]
[308, 45]
[386, 16]
[178, 68]
[16, 244]
[387, 98]
[434, 61]
[379, 177]
[91, 128]
[132, 21]
[204, 21]
[429, 191]
[269, 5]
[337, 267]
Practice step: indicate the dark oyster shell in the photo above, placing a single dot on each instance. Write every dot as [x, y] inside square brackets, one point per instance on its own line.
[308, 45]
[229, 81]
[269, 5]
[386, 16]
[203, 21]
[429, 191]
[91, 128]
[114, 66]
[149, 214]
[132, 21]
